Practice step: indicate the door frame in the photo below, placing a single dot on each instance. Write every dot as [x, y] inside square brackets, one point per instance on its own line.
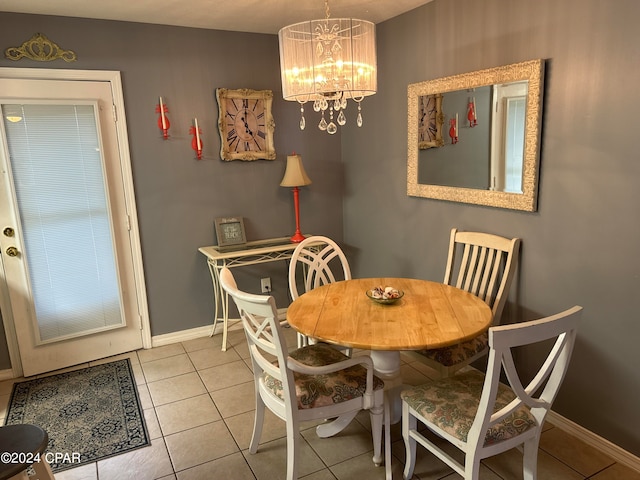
[114, 78]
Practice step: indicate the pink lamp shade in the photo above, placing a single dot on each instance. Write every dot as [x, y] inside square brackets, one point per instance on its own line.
[295, 176]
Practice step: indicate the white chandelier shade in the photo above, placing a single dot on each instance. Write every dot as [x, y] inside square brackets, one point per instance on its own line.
[327, 62]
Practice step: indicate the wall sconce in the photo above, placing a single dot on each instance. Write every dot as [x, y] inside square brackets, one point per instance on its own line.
[295, 176]
[163, 120]
[196, 141]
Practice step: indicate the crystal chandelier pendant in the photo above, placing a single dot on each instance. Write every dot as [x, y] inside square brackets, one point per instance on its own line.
[303, 123]
[359, 119]
[323, 124]
[331, 128]
[341, 118]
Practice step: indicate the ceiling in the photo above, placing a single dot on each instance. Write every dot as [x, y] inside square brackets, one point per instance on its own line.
[258, 16]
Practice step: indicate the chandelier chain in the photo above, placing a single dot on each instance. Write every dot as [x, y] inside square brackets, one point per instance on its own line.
[326, 9]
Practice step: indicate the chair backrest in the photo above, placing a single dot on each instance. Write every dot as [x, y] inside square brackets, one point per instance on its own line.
[316, 254]
[541, 391]
[259, 316]
[485, 267]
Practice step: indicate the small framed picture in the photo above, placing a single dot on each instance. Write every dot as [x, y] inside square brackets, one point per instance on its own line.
[230, 231]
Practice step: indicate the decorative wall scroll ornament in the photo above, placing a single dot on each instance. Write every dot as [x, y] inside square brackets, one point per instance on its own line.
[196, 141]
[40, 49]
[471, 112]
[163, 120]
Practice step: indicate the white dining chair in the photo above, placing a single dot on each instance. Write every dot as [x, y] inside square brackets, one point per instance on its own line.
[485, 265]
[315, 382]
[318, 260]
[482, 416]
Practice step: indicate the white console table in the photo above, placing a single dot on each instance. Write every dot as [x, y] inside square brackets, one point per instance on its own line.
[250, 253]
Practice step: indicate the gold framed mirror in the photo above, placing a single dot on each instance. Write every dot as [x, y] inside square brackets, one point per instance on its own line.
[485, 128]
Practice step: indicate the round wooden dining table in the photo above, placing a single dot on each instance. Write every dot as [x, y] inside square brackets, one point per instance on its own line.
[429, 315]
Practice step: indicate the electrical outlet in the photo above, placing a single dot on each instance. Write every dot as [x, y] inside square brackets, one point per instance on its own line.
[265, 285]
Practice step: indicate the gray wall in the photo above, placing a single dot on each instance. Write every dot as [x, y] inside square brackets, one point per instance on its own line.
[177, 196]
[581, 246]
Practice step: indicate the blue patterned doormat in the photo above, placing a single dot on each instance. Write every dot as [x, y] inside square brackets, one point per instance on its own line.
[90, 414]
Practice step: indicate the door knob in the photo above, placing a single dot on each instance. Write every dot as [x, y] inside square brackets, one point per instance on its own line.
[12, 251]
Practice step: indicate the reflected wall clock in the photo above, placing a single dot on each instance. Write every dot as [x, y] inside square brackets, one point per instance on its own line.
[245, 124]
[430, 120]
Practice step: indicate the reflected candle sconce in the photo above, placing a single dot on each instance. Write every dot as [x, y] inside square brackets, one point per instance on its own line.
[453, 129]
[163, 120]
[471, 112]
[196, 141]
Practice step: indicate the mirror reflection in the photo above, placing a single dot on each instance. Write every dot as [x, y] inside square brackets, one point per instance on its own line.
[474, 137]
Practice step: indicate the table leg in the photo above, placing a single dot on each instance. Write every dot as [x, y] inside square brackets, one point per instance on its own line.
[220, 299]
[386, 364]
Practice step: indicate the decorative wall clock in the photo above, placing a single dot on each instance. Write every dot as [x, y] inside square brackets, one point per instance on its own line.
[246, 124]
[430, 120]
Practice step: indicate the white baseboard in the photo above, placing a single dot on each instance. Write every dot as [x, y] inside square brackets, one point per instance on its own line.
[192, 334]
[605, 446]
[199, 332]
[6, 374]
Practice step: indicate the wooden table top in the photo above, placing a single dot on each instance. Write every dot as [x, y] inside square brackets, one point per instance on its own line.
[429, 315]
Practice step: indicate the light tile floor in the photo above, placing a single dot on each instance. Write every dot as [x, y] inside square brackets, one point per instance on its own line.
[198, 404]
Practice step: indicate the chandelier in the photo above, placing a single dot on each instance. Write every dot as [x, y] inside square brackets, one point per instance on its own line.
[327, 62]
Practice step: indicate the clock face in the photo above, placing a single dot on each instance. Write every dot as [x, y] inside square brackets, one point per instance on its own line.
[427, 118]
[430, 119]
[245, 124]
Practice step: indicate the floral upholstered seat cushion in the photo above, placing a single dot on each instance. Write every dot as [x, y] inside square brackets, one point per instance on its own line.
[451, 404]
[315, 391]
[449, 356]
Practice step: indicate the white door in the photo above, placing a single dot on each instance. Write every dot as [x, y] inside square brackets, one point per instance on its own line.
[507, 136]
[68, 254]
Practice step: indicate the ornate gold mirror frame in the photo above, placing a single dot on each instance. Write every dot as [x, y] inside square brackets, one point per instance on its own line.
[532, 72]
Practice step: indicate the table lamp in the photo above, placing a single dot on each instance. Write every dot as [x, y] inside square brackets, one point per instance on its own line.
[295, 176]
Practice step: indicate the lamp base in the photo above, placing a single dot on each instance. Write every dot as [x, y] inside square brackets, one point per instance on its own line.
[297, 237]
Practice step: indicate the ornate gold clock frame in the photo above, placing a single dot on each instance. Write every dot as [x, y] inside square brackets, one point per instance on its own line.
[245, 124]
